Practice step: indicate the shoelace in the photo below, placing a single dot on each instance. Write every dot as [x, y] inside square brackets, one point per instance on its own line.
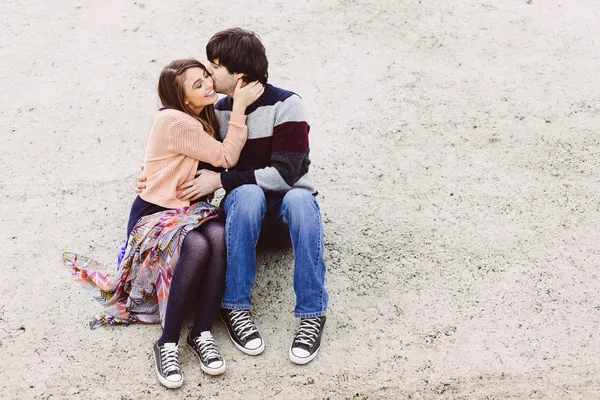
[308, 331]
[169, 359]
[208, 349]
[242, 323]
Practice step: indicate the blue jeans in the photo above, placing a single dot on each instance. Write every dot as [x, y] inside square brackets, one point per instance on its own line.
[274, 220]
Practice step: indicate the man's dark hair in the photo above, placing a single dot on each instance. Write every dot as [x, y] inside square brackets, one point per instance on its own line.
[240, 51]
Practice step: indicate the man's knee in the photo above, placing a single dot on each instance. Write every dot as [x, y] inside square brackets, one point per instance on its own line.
[299, 202]
[246, 200]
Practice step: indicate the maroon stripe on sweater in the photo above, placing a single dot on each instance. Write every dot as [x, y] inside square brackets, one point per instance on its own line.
[291, 137]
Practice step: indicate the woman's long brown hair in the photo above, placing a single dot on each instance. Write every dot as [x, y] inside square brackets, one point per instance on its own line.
[172, 95]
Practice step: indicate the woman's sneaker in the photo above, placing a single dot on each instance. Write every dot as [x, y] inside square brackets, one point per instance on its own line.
[242, 331]
[308, 340]
[167, 365]
[208, 354]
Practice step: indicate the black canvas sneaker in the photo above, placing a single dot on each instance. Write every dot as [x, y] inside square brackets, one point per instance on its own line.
[308, 340]
[167, 365]
[205, 348]
[242, 331]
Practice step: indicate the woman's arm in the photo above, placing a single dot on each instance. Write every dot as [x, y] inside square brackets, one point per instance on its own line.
[185, 138]
[189, 138]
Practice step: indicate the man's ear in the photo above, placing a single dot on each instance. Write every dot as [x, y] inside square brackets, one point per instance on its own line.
[238, 75]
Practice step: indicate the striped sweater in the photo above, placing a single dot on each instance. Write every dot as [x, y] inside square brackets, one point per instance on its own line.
[275, 156]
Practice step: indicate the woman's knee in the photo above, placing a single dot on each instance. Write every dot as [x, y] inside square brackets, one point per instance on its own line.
[214, 232]
[195, 243]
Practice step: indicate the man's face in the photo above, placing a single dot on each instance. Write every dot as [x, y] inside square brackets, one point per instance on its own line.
[224, 81]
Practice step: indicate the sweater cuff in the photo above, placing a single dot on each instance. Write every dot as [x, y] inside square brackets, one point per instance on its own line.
[239, 119]
[232, 179]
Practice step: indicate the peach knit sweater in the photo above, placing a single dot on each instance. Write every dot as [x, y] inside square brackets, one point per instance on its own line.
[177, 142]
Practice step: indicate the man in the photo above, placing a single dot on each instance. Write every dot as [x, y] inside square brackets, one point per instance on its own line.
[270, 200]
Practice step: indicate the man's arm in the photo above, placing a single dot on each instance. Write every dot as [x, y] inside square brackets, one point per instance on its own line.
[289, 152]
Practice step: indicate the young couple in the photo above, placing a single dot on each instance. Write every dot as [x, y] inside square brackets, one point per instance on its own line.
[180, 253]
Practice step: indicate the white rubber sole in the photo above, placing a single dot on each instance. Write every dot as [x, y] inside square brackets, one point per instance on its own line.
[209, 371]
[302, 360]
[253, 352]
[165, 382]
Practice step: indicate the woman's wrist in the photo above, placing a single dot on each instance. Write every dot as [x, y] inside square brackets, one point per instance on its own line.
[238, 108]
[238, 119]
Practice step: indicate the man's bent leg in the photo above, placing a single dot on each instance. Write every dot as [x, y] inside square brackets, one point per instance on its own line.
[245, 208]
[301, 212]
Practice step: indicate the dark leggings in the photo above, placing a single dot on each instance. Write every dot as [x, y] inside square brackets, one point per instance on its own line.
[198, 279]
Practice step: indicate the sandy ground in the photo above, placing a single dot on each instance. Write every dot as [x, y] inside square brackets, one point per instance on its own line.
[455, 147]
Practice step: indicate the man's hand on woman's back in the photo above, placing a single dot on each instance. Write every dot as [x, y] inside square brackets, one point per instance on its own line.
[141, 181]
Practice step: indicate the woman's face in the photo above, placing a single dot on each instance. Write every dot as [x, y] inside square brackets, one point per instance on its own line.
[198, 87]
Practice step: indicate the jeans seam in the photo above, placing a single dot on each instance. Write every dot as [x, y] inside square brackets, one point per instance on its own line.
[316, 264]
[232, 210]
[317, 214]
[311, 314]
[227, 224]
[234, 306]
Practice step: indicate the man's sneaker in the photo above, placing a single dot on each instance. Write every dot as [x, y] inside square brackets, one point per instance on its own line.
[167, 365]
[208, 354]
[242, 331]
[308, 340]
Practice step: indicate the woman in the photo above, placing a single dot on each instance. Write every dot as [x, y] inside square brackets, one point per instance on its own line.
[175, 251]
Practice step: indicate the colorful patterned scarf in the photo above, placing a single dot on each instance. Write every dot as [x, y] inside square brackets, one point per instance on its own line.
[139, 289]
